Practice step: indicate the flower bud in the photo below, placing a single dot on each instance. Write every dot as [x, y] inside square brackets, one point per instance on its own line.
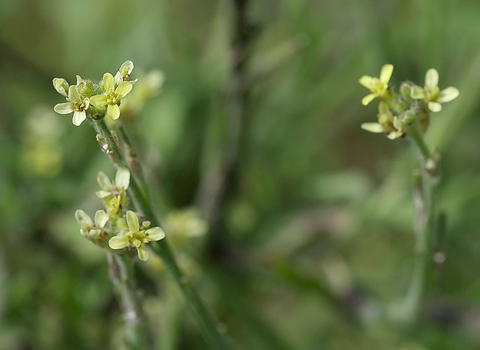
[408, 118]
[61, 86]
[85, 88]
[406, 88]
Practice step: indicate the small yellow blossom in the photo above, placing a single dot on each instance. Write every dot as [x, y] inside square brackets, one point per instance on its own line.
[93, 230]
[112, 95]
[113, 193]
[61, 86]
[431, 92]
[76, 103]
[387, 123]
[378, 87]
[136, 237]
[124, 73]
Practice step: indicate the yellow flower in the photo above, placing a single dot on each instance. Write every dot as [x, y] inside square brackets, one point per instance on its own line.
[124, 72]
[93, 230]
[377, 86]
[136, 237]
[387, 123]
[431, 92]
[113, 193]
[76, 103]
[112, 95]
[61, 86]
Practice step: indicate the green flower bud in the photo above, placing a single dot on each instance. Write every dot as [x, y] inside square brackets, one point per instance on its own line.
[61, 86]
[408, 118]
[85, 87]
[405, 88]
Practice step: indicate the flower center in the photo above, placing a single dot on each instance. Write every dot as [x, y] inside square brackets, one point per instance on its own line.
[378, 86]
[112, 98]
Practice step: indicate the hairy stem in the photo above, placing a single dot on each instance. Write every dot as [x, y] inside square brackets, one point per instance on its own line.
[121, 273]
[424, 182]
[209, 327]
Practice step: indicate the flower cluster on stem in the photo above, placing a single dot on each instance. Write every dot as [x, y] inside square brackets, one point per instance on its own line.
[119, 226]
[96, 99]
[411, 106]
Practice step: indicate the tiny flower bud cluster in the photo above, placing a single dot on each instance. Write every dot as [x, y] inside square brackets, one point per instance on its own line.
[412, 105]
[117, 225]
[88, 98]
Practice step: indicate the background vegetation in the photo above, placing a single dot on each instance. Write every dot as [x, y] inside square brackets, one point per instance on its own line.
[312, 230]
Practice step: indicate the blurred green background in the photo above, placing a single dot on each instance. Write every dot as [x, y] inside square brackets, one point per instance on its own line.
[312, 229]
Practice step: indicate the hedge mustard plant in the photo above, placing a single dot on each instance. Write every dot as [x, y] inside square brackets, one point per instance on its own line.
[407, 115]
[117, 228]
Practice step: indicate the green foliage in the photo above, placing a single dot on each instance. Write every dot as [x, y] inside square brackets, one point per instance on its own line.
[316, 223]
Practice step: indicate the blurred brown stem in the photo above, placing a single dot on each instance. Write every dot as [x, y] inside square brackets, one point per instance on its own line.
[219, 180]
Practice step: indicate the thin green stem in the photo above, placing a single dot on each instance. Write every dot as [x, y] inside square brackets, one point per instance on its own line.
[209, 327]
[131, 158]
[419, 143]
[424, 182]
[123, 278]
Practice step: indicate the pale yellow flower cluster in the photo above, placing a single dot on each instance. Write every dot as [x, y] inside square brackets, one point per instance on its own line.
[86, 95]
[413, 104]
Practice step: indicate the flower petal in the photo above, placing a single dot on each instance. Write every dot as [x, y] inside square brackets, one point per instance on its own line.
[104, 182]
[98, 100]
[372, 127]
[113, 112]
[61, 86]
[73, 94]
[417, 92]
[94, 232]
[101, 218]
[108, 82]
[118, 78]
[367, 99]
[394, 135]
[79, 117]
[434, 106]
[366, 81]
[102, 194]
[448, 94]
[64, 108]
[119, 242]
[386, 73]
[142, 252]
[431, 78]
[122, 179]
[397, 123]
[132, 221]
[83, 218]
[126, 68]
[123, 89]
[155, 234]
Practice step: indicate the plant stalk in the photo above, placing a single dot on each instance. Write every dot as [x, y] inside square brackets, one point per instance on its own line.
[424, 182]
[209, 327]
[121, 273]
